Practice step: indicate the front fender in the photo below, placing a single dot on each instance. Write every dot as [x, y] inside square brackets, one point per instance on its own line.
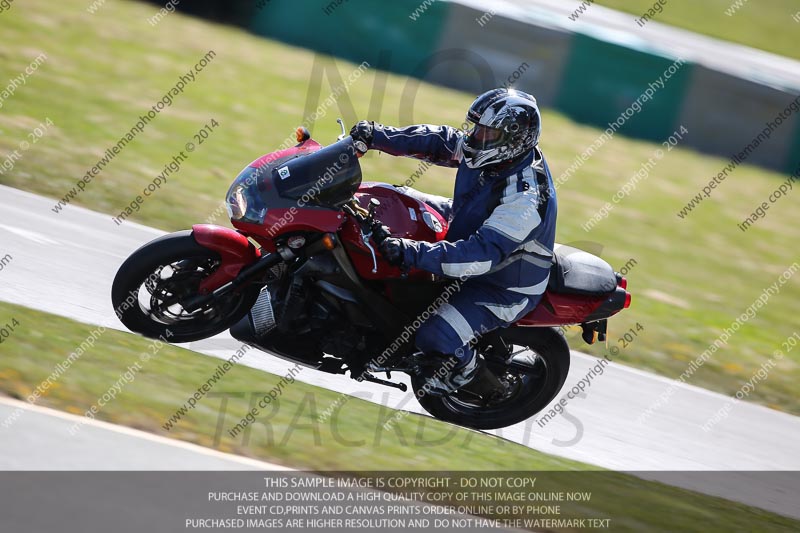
[235, 250]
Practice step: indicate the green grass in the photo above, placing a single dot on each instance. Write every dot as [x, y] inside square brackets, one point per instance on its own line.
[41, 341]
[765, 24]
[693, 277]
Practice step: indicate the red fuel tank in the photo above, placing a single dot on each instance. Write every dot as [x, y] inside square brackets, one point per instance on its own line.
[406, 217]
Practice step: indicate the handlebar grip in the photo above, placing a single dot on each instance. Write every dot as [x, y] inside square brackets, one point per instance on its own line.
[380, 232]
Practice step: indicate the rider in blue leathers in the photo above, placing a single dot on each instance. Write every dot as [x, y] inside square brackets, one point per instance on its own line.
[502, 223]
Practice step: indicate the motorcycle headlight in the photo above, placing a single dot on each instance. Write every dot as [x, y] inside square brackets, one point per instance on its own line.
[237, 203]
[244, 201]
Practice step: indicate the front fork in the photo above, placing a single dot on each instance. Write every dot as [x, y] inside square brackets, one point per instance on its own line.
[234, 248]
[245, 276]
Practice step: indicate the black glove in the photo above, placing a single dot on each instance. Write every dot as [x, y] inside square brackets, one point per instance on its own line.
[380, 233]
[393, 250]
[362, 134]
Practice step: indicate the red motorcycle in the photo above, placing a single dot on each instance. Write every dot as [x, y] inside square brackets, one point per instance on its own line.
[300, 279]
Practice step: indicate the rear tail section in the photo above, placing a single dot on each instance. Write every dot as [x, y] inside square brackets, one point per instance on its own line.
[583, 289]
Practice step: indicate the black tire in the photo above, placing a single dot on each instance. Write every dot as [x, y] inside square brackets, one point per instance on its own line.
[186, 259]
[545, 380]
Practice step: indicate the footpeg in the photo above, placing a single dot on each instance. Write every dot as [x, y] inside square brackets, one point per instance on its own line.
[366, 376]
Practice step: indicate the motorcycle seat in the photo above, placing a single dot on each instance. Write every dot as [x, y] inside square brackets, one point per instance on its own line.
[577, 272]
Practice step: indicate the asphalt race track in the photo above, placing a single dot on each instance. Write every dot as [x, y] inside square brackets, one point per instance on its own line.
[64, 264]
[42, 442]
[101, 446]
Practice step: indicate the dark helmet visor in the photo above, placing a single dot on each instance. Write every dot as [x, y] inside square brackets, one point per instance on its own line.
[484, 138]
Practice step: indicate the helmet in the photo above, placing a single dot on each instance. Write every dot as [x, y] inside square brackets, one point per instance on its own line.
[506, 127]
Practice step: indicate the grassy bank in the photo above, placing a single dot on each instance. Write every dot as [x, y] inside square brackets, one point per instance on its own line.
[767, 25]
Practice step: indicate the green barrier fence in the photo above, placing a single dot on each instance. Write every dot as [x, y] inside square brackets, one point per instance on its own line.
[381, 33]
[603, 80]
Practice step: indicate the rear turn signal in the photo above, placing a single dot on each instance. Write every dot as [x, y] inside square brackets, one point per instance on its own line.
[627, 300]
[623, 283]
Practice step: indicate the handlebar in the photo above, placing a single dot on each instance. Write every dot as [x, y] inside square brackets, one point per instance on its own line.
[365, 217]
[369, 225]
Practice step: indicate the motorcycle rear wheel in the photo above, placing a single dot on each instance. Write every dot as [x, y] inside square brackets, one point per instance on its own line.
[535, 387]
[151, 283]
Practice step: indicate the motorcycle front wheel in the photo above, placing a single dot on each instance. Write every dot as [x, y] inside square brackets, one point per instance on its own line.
[533, 380]
[151, 284]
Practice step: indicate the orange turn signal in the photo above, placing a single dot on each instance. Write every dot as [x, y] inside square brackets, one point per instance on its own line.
[328, 241]
[302, 134]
